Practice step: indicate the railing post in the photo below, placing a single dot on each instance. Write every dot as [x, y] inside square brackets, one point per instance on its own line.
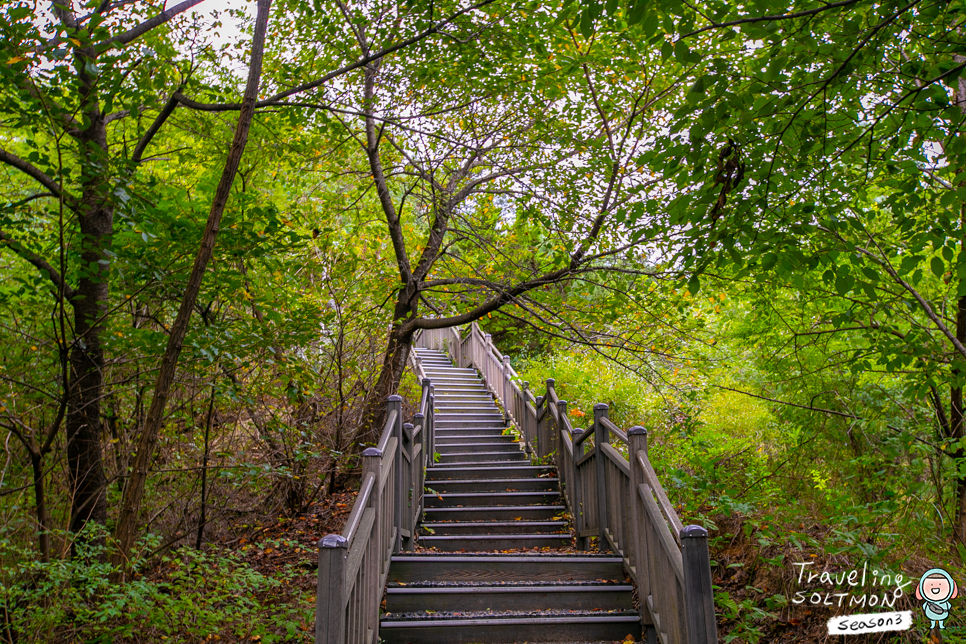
[409, 493]
[525, 422]
[432, 424]
[601, 437]
[553, 442]
[330, 594]
[634, 540]
[419, 473]
[458, 349]
[372, 464]
[539, 425]
[394, 403]
[419, 419]
[698, 595]
[506, 395]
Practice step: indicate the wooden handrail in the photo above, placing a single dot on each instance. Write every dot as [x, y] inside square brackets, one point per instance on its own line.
[362, 501]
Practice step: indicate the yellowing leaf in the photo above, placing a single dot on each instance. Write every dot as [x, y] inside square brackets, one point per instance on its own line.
[15, 59]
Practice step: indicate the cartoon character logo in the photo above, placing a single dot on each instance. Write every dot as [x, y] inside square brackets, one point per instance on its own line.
[936, 588]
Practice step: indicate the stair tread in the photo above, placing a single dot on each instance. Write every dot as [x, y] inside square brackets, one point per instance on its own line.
[472, 618]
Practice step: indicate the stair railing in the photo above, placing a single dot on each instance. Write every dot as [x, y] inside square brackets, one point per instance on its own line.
[617, 499]
[354, 565]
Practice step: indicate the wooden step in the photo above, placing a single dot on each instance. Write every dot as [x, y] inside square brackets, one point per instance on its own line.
[485, 542]
[472, 439]
[467, 415]
[480, 499]
[505, 568]
[448, 472]
[483, 629]
[452, 433]
[499, 527]
[500, 597]
[470, 424]
[447, 448]
[494, 513]
[494, 485]
[467, 411]
[466, 458]
[448, 402]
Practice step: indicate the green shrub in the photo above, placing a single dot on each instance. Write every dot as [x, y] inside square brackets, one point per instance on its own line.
[189, 596]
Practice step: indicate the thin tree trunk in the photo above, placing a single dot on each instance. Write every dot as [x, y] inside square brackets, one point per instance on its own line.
[393, 364]
[40, 503]
[204, 472]
[134, 490]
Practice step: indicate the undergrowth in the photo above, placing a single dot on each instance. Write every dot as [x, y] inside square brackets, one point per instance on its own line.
[776, 486]
[188, 596]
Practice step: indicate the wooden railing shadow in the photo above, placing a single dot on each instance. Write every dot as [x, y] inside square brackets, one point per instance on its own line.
[616, 498]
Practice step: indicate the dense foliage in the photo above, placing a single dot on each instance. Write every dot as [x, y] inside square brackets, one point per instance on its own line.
[739, 224]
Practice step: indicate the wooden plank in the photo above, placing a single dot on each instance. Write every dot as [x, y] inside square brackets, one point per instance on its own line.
[330, 603]
[611, 427]
[362, 500]
[616, 458]
[657, 620]
[587, 432]
[358, 549]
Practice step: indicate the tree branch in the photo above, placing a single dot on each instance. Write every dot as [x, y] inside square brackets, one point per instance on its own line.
[37, 174]
[148, 25]
[39, 263]
[162, 116]
[771, 18]
[362, 62]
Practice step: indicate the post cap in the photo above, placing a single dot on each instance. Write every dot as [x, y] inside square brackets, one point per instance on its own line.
[394, 398]
[426, 382]
[419, 414]
[372, 451]
[578, 431]
[333, 541]
[694, 532]
[600, 407]
[637, 430]
[551, 382]
[561, 403]
[408, 425]
[539, 400]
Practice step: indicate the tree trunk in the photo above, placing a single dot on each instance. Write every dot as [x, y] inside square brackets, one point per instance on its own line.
[956, 432]
[134, 490]
[393, 364]
[40, 503]
[96, 219]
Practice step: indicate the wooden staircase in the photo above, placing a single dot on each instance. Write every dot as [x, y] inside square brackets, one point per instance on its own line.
[484, 497]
